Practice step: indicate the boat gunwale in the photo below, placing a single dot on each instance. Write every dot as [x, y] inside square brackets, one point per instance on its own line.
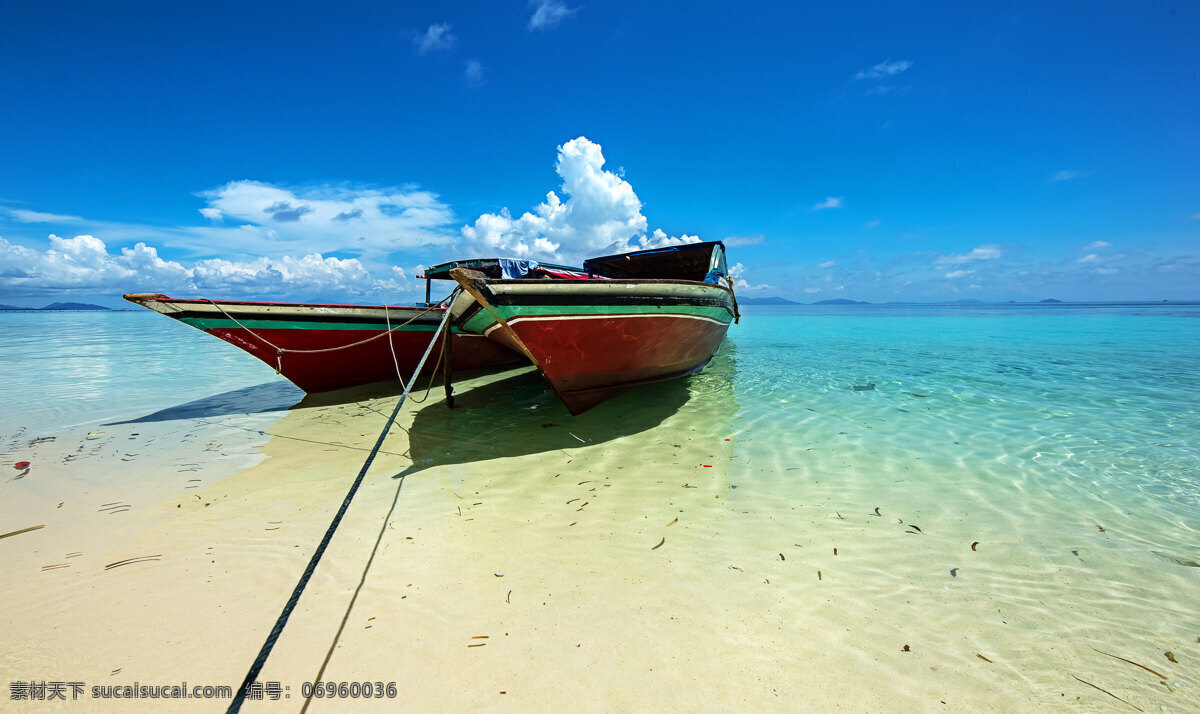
[144, 300]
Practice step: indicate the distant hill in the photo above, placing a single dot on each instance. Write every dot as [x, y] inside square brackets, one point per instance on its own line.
[1049, 300]
[12, 307]
[841, 301]
[73, 306]
[767, 301]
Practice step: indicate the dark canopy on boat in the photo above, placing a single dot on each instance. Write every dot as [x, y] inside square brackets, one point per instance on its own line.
[690, 261]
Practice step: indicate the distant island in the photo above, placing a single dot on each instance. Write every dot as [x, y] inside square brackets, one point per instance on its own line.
[1049, 300]
[60, 306]
[841, 301]
[767, 301]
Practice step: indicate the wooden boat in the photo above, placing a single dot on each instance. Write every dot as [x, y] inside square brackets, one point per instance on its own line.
[321, 347]
[632, 319]
[621, 321]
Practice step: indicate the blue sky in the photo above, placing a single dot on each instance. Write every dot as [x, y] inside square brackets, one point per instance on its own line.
[309, 151]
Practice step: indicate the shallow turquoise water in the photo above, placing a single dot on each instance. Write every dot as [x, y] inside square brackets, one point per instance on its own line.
[1064, 439]
[1027, 396]
[64, 369]
[1108, 394]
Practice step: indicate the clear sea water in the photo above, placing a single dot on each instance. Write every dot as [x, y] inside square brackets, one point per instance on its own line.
[1108, 394]
[1102, 398]
[1044, 395]
[1047, 455]
[67, 369]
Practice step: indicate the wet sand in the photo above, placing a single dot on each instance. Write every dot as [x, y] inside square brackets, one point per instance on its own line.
[507, 556]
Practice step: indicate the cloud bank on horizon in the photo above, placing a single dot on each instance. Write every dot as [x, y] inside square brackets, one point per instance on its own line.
[84, 264]
[285, 240]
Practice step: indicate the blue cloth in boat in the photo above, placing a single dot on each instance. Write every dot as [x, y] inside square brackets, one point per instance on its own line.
[714, 276]
[511, 269]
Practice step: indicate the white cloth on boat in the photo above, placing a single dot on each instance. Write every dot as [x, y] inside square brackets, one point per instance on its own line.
[512, 269]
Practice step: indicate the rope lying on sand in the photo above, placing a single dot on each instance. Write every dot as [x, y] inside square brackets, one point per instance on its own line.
[256, 668]
[280, 351]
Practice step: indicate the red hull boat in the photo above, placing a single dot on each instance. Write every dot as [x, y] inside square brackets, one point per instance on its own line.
[594, 339]
[320, 347]
[624, 320]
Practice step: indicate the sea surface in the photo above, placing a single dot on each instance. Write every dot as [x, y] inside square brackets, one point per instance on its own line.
[1123, 374]
[1059, 397]
[1068, 399]
[74, 369]
[1024, 478]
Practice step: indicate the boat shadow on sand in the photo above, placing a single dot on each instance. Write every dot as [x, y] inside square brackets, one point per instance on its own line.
[270, 397]
[520, 415]
[278, 396]
[515, 414]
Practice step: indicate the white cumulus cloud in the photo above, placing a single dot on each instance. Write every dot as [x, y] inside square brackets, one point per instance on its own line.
[84, 264]
[991, 251]
[274, 221]
[884, 69]
[474, 73]
[740, 241]
[741, 284]
[262, 240]
[27, 216]
[548, 14]
[438, 37]
[829, 202]
[1067, 175]
[599, 214]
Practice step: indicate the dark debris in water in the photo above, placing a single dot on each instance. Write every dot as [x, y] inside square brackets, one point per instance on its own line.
[1106, 692]
[1177, 561]
[1135, 664]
